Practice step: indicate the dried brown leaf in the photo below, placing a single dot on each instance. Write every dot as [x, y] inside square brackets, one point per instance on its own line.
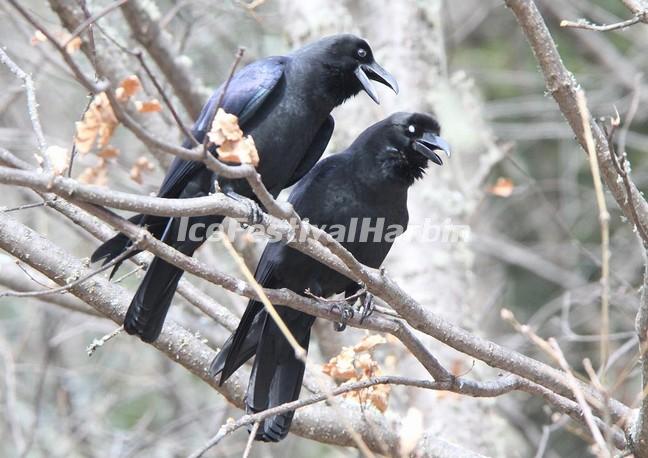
[241, 151]
[98, 125]
[341, 366]
[141, 166]
[73, 45]
[128, 87]
[379, 396]
[355, 364]
[150, 106]
[109, 152]
[37, 38]
[97, 175]
[503, 187]
[224, 127]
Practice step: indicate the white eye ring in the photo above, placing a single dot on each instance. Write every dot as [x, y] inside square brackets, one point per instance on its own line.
[411, 129]
[362, 52]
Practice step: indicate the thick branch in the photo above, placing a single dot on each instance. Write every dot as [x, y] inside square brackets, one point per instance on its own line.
[383, 287]
[321, 423]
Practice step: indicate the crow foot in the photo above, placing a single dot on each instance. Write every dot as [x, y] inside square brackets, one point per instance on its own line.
[346, 313]
[255, 215]
[367, 306]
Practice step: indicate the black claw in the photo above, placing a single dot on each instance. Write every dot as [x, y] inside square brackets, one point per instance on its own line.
[367, 306]
[255, 214]
[346, 314]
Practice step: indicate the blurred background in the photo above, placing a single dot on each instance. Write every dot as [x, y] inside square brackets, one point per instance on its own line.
[517, 178]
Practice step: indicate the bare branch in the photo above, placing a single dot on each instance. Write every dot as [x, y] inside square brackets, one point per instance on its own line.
[584, 24]
[17, 280]
[67, 286]
[322, 424]
[377, 283]
[92, 19]
[604, 221]
[144, 23]
[32, 106]
[500, 387]
[580, 398]
[81, 77]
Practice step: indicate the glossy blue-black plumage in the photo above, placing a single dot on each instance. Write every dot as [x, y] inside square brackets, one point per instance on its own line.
[367, 182]
[284, 103]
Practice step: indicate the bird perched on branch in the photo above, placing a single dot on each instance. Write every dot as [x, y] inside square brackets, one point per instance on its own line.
[284, 103]
[366, 183]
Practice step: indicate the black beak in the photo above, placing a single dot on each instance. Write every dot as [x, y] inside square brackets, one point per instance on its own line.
[375, 72]
[428, 144]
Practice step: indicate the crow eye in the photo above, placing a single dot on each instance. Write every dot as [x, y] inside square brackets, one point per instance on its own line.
[362, 53]
[411, 129]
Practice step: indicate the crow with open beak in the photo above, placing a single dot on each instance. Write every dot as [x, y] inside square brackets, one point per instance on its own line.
[368, 182]
[284, 103]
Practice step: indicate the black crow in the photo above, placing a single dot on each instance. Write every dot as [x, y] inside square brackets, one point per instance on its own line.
[284, 103]
[366, 184]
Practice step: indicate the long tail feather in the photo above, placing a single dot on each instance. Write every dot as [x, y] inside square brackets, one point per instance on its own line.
[151, 302]
[277, 374]
[112, 248]
[241, 345]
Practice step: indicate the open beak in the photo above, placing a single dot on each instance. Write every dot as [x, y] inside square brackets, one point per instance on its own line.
[373, 71]
[428, 144]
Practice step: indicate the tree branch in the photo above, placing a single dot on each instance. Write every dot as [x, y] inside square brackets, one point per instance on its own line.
[321, 424]
[143, 19]
[380, 285]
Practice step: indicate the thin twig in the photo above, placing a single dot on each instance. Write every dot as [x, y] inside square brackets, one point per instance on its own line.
[604, 219]
[165, 98]
[139, 55]
[90, 350]
[237, 59]
[67, 286]
[91, 20]
[248, 446]
[86, 81]
[596, 381]
[230, 427]
[23, 207]
[580, 398]
[300, 353]
[32, 105]
[584, 24]
[632, 112]
[73, 153]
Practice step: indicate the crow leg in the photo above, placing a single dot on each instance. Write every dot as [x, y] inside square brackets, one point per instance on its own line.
[367, 306]
[255, 214]
[346, 313]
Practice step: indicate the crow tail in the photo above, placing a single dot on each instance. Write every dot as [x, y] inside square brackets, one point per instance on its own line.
[277, 373]
[151, 302]
[112, 248]
[241, 345]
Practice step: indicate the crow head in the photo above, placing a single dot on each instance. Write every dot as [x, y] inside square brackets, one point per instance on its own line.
[404, 143]
[349, 65]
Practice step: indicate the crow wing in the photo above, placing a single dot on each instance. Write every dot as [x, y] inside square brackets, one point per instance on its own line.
[246, 93]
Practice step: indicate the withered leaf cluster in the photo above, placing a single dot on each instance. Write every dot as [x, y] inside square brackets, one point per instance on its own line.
[356, 363]
[94, 132]
[233, 146]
